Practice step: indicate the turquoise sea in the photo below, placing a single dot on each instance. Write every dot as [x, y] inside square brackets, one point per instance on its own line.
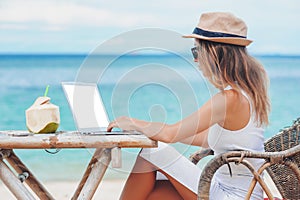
[151, 87]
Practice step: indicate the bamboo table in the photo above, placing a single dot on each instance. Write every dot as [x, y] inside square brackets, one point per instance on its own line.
[108, 148]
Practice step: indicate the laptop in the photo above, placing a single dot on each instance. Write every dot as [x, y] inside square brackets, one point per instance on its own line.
[87, 107]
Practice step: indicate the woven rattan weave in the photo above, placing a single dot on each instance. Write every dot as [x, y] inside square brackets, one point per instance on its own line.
[282, 162]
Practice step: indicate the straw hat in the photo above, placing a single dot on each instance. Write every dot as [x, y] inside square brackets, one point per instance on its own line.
[221, 27]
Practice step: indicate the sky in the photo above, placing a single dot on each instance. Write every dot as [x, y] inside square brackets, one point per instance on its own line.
[71, 26]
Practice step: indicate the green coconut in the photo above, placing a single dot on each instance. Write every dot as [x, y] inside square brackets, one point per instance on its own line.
[49, 128]
[42, 116]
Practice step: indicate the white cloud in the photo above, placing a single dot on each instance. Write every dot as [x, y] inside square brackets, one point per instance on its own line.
[61, 14]
[97, 20]
[12, 27]
[133, 13]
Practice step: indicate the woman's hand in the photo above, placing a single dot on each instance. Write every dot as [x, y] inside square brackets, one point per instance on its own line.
[124, 123]
[153, 130]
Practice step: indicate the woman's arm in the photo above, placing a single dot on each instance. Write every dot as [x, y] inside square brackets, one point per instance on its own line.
[199, 140]
[210, 113]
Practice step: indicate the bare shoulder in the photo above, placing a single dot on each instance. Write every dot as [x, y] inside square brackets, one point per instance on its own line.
[237, 110]
[231, 93]
[228, 93]
[235, 98]
[229, 97]
[227, 101]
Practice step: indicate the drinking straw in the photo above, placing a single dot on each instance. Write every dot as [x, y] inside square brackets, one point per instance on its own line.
[46, 91]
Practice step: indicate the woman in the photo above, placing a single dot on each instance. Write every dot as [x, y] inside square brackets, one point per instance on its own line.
[232, 119]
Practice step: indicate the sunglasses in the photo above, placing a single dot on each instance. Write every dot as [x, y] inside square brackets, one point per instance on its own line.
[195, 52]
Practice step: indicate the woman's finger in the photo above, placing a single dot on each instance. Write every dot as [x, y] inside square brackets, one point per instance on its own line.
[111, 126]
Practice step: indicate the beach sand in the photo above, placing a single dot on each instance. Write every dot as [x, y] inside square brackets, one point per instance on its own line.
[109, 189]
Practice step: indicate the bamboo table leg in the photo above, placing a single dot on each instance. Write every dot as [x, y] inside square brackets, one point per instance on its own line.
[116, 160]
[93, 174]
[13, 183]
[31, 181]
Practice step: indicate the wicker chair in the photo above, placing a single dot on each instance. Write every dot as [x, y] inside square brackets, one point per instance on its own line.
[282, 162]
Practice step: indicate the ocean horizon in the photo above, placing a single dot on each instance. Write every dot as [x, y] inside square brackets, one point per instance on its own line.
[151, 87]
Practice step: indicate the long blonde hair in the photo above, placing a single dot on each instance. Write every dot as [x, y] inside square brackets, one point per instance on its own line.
[225, 64]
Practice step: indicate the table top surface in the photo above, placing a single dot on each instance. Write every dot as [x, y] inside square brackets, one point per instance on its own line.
[21, 139]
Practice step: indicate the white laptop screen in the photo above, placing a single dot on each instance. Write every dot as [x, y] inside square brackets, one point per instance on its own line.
[86, 105]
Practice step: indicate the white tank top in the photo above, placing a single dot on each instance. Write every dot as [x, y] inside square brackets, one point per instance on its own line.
[249, 138]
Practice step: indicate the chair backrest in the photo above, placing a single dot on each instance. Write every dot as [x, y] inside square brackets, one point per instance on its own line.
[286, 175]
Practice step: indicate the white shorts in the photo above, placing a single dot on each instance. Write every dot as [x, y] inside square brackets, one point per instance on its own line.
[168, 159]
